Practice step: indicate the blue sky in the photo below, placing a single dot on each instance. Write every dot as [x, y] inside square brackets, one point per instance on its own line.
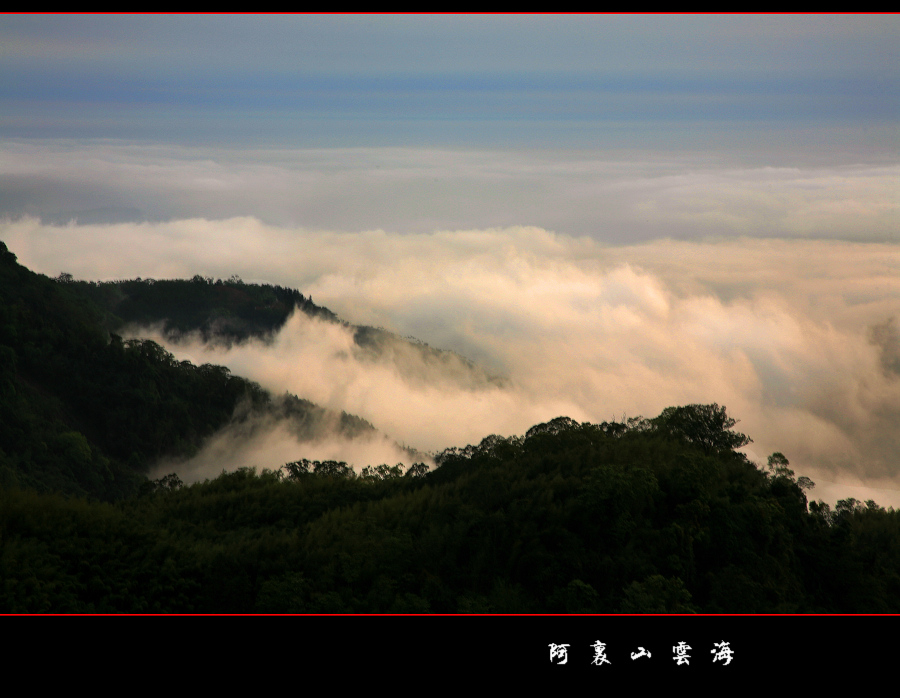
[590, 81]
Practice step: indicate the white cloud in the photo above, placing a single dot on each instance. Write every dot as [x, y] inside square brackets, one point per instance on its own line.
[271, 444]
[411, 190]
[779, 331]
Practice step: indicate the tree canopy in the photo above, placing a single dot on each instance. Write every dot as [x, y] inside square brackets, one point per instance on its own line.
[707, 426]
[660, 515]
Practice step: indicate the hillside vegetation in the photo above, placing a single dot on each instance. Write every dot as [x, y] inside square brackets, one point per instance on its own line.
[84, 412]
[661, 515]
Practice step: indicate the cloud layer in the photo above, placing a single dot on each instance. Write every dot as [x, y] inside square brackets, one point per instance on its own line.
[269, 443]
[797, 337]
[618, 213]
[627, 198]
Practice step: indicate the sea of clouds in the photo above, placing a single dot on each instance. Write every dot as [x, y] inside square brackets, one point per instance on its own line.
[635, 286]
[798, 338]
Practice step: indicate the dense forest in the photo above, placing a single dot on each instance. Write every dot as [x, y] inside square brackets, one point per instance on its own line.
[84, 412]
[659, 515]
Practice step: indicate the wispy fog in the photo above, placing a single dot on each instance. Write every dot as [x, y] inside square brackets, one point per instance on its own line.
[261, 442]
[798, 338]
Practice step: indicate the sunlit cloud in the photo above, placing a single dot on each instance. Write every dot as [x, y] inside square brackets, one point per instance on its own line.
[795, 337]
[269, 444]
[609, 215]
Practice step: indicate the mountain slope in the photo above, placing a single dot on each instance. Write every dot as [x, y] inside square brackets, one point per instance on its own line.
[84, 412]
[223, 312]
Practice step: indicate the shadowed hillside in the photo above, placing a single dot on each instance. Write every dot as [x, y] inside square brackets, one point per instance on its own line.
[650, 516]
[224, 312]
[83, 411]
[661, 515]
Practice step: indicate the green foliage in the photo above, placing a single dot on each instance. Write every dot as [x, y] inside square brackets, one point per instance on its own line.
[86, 413]
[706, 426]
[656, 594]
[655, 515]
[222, 311]
[581, 519]
[778, 466]
[575, 597]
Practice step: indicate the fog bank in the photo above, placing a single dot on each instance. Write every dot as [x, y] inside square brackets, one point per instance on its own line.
[797, 338]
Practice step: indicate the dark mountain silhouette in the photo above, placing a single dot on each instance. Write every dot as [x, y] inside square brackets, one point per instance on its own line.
[85, 412]
[223, 312]
[661, 515]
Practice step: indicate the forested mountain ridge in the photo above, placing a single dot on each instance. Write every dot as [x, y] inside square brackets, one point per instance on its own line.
[641, 517]
[661, 515]
[223, 312]
[83, 411]
[220, 311]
